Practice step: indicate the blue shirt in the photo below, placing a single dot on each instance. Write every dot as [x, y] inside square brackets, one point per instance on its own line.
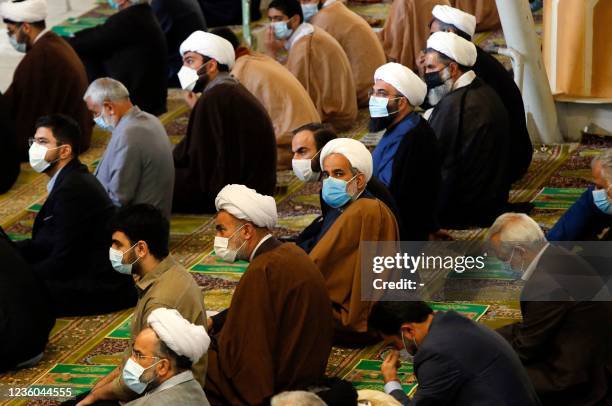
[52, 181]
[387, 147]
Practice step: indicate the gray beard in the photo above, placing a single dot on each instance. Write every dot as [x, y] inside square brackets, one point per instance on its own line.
[437, 93]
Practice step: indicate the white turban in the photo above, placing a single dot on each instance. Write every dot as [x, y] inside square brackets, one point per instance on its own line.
[456, 48]
[178, 334]
[404, 80]
[453, 16]
[246, 204]
[28, 11]
[211, 46]
[353, 150]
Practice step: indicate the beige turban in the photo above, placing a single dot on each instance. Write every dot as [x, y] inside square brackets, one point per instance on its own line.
[246, 204]
[178, 334]
[211, 46]
[453, 46]
[353, 150]
[27, 11]
[453, 16]
[404, 80]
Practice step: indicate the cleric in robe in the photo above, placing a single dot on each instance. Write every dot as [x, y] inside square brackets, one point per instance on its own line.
[230, 138]
[49, 79]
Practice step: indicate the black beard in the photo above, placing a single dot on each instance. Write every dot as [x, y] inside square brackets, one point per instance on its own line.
[201, 83]
[380, 123]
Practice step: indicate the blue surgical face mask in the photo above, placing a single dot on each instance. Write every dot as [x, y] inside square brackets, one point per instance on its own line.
[116, 259]
[335, 193]
[19, 47]
[309, 10]
[132, 373]
[378, 106]
[113, 4]
[600, 198]
[101, 122]
[281, 30]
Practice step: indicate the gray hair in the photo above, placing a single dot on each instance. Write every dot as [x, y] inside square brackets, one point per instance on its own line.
[606, 165]
[296, 398]
[106, 90]
[517, 229]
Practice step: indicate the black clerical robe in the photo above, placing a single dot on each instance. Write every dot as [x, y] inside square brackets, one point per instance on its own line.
[50, 79]
[131, 48]
[220, 13]
[471, 124]
[493, 73]
[230, 139]
[9, 158]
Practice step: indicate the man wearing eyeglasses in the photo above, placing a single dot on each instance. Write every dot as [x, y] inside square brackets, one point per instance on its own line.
[69, 245]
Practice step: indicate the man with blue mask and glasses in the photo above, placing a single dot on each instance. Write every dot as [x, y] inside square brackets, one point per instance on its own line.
[129, 46]
[587, 219]
[140, 236]
[363, 48]
[49, 79]
[316, 59]
[406, 160]
[160, 366]
[355, 217]
[277, 333]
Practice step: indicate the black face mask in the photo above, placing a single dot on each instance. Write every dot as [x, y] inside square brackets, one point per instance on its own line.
[434, 79]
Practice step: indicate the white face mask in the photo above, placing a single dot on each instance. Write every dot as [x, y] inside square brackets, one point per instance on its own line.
[303, 170]
[188, 78]
[37, 155]
[222, 247]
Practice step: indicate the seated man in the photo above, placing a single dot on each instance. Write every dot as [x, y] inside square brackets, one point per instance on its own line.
[26, 317]
[405, 32]
[140, 249]
[178, 19]
[167, 350]
[282, 95]
[456, 360]
[277, 333]
[9, 157]
[406, 159]
[137, 164]
[354, 218]
[355, 36]
[591, 215]
[564, 337]
[494, 74]
[471, 124]
[316, 59]
[230, 138]
[69, 245]
[129, 47]
[50, 78]
[307, 143]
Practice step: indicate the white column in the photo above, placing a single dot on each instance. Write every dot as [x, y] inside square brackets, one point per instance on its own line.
[520, 34]
[246, 22]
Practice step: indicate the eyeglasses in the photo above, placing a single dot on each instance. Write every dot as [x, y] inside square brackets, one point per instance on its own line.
[138, 356]
[32, 141]
[383, 93]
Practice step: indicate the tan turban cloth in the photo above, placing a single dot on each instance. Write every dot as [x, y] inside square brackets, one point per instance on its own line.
[404, 80]
[28, 11]
[456, 48]
[246, 204]
[353, 150]
[453, 16]
[211, 46]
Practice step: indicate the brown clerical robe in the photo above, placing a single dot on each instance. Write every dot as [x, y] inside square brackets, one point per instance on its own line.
[278, 332]
[50, 79]
[230, 139]
[485, 11]
[406, 30]
[321, 65]
[362, 47]
[338, 256]
[283, 96]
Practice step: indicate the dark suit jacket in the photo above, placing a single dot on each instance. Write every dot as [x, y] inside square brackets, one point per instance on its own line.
[69, 247]
[461, 362]
[25, 317]
[415, 182]
[9, 157]
[564, 340]
[131, 48]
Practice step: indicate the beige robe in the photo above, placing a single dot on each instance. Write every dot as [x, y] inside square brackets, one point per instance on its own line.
[362, 47]
[406, 30]
[487, 17]
[282, 95]
[338, 256]
[581, 68]
[321, 65]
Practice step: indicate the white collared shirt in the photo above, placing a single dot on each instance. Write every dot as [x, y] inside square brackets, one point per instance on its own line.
[267, 237]
[464, 80]
[52, 181]
[534, 264]
[303, 30]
